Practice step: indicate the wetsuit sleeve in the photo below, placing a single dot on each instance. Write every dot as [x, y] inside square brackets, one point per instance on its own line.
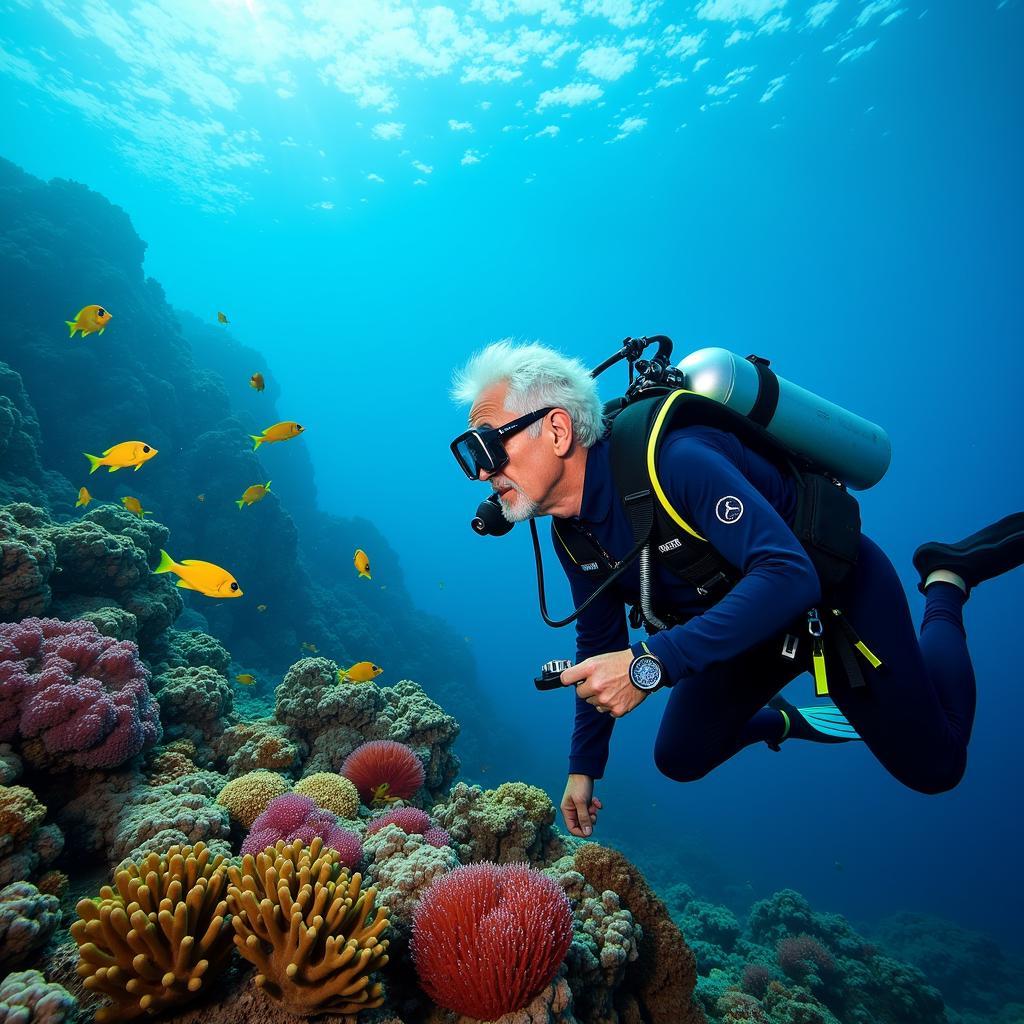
[601, 629]
[779, 582]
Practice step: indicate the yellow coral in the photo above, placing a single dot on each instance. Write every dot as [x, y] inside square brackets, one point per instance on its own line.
[331, 792]
[246, 797]
[308, 928]
[153, 941]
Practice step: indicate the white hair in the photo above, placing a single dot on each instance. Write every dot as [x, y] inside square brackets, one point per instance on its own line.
[537, 376]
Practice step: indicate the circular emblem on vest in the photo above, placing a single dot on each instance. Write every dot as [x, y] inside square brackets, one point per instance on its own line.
[729, 509]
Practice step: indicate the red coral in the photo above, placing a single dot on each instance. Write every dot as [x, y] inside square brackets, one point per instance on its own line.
[384, 763]
[801, 955]
[488, 938]
[76, 698]
[293, 816]
[408, 819]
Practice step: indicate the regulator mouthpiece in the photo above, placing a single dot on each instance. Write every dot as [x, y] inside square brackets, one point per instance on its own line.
[489, 521]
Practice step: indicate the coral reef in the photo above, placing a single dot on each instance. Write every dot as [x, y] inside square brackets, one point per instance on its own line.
[26, 997]
[194, 702]
[26, 844]
[257, 744]
[293, 817]
[311, 931]
[163, 925]
[247, 797]
[513, 822]
[27, 560]
[72, 697]
[27, 919]
[488, 938]
[332, 792]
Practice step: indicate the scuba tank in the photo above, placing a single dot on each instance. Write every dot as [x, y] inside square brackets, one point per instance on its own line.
[854, 450]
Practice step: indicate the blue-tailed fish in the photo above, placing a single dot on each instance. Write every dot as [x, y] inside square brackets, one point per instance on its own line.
[84, 497]
[253, 494]
[362, 564]
[204, 577]
[283, 431]
[121, 456]
[89, 319]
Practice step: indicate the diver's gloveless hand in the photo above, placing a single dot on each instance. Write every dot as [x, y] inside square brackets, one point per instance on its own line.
[579, 806]
[604, 682]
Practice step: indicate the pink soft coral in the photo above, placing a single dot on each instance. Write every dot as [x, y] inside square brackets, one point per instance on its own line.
[76, 698]
[293, 816]
[413, 821]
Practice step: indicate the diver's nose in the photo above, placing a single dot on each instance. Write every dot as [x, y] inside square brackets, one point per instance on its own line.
[484, 474]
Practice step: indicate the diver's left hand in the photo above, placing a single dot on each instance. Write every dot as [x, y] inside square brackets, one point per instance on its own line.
[604, 682]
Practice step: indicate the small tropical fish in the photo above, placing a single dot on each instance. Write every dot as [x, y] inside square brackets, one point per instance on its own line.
[253, 494]
[245, 678]
[283, 431]
[89, 319]
[84, 497]
[261, 607]
[312, 648]
[222, 317]
[440, 585]
[121, 456]
[204, 577]
[256, 381]
[200, 497]
[362, 563]
[383, 586]
[360, 672]
[134, 505]
[381, 795]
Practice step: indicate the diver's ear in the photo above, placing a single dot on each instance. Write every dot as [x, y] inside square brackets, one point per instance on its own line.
[560, 424]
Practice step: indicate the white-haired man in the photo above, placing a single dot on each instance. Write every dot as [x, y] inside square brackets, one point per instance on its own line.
[537, 436]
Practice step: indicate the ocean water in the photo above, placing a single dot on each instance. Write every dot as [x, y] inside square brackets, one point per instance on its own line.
[372, 192]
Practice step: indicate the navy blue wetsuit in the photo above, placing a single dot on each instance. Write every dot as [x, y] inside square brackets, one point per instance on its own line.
[725, 660]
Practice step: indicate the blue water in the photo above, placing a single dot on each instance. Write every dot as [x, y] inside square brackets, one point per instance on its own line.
[859, 222]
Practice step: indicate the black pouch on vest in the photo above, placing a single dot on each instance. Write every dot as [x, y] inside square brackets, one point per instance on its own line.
[827, 523]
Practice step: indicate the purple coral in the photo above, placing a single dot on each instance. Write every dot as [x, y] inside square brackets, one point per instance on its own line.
[412, 821]
[293, 816]
[803, 955]
[76, 698]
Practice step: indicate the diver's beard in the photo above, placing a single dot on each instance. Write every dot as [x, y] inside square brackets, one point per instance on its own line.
[524, 508]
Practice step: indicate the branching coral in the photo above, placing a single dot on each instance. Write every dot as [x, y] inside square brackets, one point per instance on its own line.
[153, 940]
[332, 792]
[247, 797]
[310, 930]
[384, 771]
[488, 938]
[75, 698]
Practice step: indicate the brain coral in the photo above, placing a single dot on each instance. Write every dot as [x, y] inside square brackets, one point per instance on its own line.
[332, 792]
[26, 997]
[76, 698]
[293, 816]
[27, 919]
[247, 797]
[384, 771]
[488, 938]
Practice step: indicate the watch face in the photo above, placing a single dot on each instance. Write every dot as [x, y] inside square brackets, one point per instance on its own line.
[645, 672]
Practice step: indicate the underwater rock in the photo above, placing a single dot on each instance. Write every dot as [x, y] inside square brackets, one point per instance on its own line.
[26, 997]
[27, 560]
[179, 648]
[26, 844]
[261, 743]
[513, 822]
[195, 704]
[73, 698]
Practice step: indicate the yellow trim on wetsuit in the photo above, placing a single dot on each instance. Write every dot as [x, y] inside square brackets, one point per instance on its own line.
[652, 470]
[820, 676]
[863, 648]
[554, 526]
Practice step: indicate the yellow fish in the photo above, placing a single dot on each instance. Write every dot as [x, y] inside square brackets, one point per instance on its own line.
[312, 648]
[205, 577]
[84, 497]
[256, 381]
[283, 431]
[222, 317]
[121, 456]
[381, 795]
[360, 672]
[246, 678]
[253, 494]
[134, 505]
[89, 319]
[362, 563]
[261, 607]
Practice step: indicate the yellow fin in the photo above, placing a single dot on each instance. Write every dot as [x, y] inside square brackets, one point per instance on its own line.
[185, 585]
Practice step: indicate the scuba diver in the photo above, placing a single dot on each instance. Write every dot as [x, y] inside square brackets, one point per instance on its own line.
[754, 553]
